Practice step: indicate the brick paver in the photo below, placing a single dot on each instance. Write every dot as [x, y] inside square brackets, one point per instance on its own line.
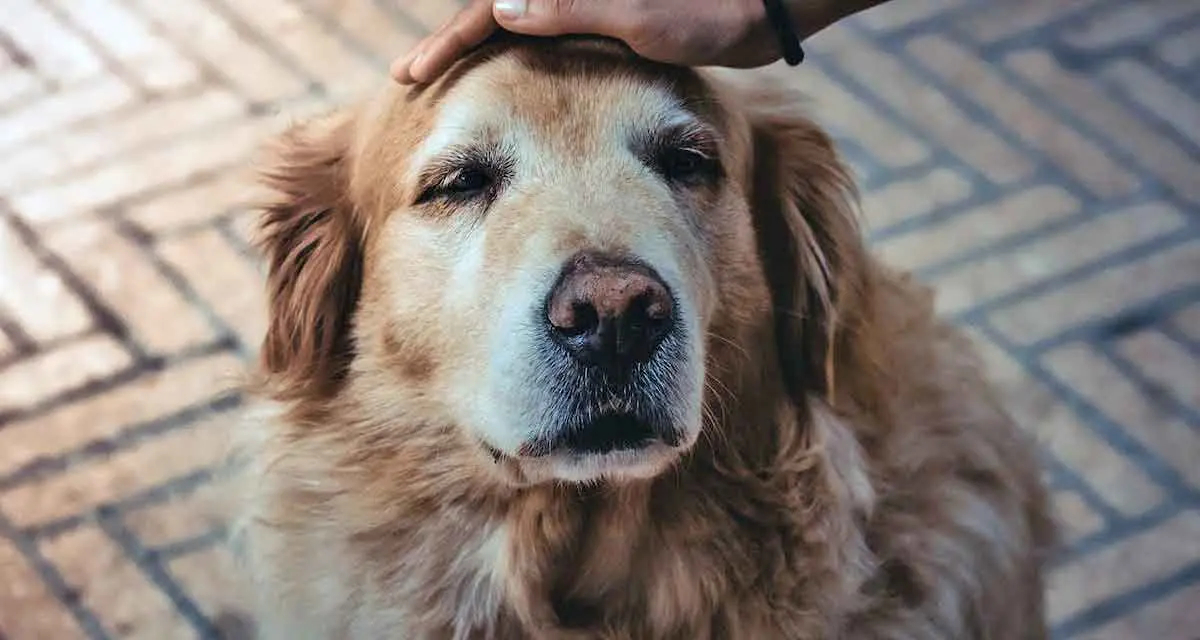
[1038, 162]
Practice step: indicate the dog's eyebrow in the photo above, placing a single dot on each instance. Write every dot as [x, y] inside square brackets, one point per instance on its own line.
[454, 157]
[680, 129]
[455, 125]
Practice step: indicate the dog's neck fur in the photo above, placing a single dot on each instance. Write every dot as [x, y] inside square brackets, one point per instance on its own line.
[636, 558]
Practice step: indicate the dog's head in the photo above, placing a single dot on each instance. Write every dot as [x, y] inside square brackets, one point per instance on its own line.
[548, 249]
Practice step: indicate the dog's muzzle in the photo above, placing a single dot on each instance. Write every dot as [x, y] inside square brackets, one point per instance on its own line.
[613, 343]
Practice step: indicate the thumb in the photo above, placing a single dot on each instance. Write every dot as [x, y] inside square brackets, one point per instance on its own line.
[556, 17]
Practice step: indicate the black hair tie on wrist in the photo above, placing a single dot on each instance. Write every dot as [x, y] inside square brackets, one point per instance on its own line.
[781, 22]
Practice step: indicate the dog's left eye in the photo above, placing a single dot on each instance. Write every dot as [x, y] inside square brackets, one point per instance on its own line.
[467, 181]
[682, 164]
[462, 184]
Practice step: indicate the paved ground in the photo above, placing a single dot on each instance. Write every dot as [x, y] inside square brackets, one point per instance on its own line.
[1038, 161]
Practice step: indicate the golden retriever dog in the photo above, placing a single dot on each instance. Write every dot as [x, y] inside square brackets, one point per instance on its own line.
[569, 344]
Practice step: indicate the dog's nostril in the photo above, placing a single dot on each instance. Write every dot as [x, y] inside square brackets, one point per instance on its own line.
[584, 319]
[610, 313]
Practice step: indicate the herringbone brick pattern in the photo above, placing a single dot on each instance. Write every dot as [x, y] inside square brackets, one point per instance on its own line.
[1039, 162]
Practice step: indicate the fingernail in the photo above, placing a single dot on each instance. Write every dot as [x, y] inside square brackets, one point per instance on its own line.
[399, 72]
[414, 66]
[510, 8]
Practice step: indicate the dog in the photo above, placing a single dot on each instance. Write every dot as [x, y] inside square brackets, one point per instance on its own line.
[571, 344]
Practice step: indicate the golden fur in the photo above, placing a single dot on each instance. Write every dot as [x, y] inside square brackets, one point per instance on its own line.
[847, 473]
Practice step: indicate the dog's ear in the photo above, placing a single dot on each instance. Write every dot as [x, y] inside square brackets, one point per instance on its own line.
[805, 208]
[312, 243]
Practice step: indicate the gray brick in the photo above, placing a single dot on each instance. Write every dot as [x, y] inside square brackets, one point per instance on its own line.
[1022, 267]
[1128, 23]
[980, 227]
[1066, 147]
[1167, 101]
[1127, 564]
[1101, 295]
[926, 107]
[1163, 157]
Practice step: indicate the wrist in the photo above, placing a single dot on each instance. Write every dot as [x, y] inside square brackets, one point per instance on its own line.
[788, 34]
[812, 16]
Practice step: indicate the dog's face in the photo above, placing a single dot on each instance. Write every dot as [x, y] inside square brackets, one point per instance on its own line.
[539, 251]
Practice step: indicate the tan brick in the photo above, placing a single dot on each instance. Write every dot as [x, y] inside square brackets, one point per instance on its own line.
[196, 202]
[1158, 154]
[1059, 430]
[153, 61]
[370, 24]
[55, 50]
[103, 416]
[245, 226]
[1126, 565]
[431, 15]
[1174, 616]
[1100, 295]
[183, 517]
[980, 227]
[123, 277]
[322, 54]
[1054, 254]
[1110, 391]
[847, 114]
[1187, 322]
[27, 608]
[128, 176]
[35, 296]
[1062, 144]
[1127, 23]
[1144, 85]
[232, 285]
[109, 584]
[1167, 365]
[95, 482]
[66, 367]
[900, 201]
[896, 15]
[926, 107]
[211, 578]
[249, 68]
[17, 84]
[64, 108]
[998, 21]
[279, 117]
[1075, 517]
[1180, 50]
[157, 122]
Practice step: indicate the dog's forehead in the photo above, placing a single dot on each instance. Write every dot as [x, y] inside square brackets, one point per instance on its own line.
[574, 103]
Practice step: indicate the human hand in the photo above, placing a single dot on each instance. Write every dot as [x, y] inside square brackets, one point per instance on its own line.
[730, 33]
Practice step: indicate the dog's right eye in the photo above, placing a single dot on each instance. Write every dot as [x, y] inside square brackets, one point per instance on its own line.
[464, 183]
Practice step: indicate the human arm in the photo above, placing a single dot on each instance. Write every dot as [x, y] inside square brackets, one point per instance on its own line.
[730, 33]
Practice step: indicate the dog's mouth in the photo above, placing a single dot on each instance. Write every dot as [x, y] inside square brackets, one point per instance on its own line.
[608, 433]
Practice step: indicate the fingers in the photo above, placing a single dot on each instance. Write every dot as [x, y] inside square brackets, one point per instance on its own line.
[438, 51]
[559, 17]
[476, 22]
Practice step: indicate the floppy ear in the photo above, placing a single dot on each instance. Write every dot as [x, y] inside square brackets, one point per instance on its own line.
[313, 247]
[806, 221]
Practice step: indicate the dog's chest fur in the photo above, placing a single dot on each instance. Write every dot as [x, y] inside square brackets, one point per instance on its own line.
[673, 559]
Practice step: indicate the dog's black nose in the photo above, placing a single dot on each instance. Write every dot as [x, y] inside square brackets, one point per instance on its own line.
[610, 313]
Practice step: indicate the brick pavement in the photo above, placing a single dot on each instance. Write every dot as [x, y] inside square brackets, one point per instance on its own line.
[1039, 162]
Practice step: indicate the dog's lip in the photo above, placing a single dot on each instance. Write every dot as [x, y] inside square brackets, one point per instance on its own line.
[608, 433]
